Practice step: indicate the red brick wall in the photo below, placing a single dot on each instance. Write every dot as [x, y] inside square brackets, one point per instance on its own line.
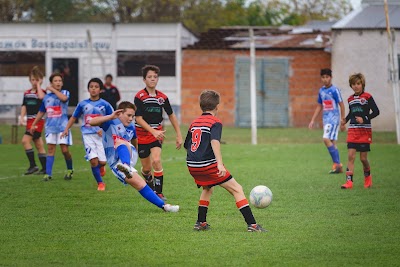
[215, 69]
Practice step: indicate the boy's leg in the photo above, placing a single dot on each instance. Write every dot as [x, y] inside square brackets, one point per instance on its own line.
[41, 153]
[68, 161]
[30, 154]
[51, 150]
[367, 169]
[236, 190]
[350, 169]
[334, 153]
[146, 170]
[94, 164]
[201, 223]
[158, 171]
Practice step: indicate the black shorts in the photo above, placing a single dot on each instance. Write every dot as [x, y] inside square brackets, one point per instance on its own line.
[144, 149]
[36, 135]
[359, 147]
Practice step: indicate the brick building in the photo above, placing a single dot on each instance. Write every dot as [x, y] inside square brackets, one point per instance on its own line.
[288, 65]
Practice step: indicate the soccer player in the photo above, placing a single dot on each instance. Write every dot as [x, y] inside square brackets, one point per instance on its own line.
[30, 107]
[120, 144]
[150, 103]
[88, 109]
[110, 92]
[204, 161]
[331, 103]
[359, 134]
[55, 104]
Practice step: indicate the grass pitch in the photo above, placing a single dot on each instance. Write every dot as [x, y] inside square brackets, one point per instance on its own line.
[311, 221]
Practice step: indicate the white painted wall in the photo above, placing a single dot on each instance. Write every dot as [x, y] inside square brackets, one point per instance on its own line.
[366, 52]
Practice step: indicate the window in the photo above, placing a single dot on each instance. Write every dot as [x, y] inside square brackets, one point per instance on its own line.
[130, 63]
[21, 63]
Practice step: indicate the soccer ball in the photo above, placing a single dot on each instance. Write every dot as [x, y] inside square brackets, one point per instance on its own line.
[260, 196]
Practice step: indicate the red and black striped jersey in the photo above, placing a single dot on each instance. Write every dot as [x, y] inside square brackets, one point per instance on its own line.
[361, 106]
[201, 132]
[32, 103]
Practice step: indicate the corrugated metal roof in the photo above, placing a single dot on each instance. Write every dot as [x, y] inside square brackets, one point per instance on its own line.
[370, 17]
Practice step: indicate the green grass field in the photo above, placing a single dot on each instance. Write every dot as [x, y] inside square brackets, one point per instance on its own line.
[311, 221]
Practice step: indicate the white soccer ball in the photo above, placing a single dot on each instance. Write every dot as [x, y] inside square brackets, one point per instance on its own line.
[260, 196]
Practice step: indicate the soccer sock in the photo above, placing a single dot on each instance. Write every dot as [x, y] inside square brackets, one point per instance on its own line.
[334, 152]
[367, 172]
[31, 157]
[149, 194]
[123, 154]
[69, 164]
[149, 179]
[202, 211]
[42, 158]
[96, 174]
[49, 165]
[349, 175]
[158, 181]
[243, 206]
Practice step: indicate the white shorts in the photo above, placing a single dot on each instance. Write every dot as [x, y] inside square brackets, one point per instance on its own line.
[94, 147]
[331, 131]
[55, 139]
[119, 174]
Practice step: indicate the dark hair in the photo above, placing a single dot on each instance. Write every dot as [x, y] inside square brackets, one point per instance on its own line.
[96, 80]
[126, 104]
[326, 72]
[109, 76]
[147, 68]
[357, 77]
[209, 100]
[36, 73]
[55, 74]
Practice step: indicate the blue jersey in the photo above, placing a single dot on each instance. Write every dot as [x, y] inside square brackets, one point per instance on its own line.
[114, 130]
[89, 109]
[57, 112]
[330, 98]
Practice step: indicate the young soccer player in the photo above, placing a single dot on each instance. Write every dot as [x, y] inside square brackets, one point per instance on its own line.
[55, 104]
[204, 161]
[331, 103]
[120, 144]
[150, 103]
[30, 107]
[110, 92]
[359, 134]
[88, 109]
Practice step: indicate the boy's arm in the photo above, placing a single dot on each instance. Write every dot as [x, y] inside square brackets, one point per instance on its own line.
[39, 90]
[69, 124]
[22, 115]
[342, 117]
[316, 112]
[156, 133]
[216, 147]
[374, 108]
[39, 116]
[61, 96]
[97, 121]
[134, 142]
[175, 124]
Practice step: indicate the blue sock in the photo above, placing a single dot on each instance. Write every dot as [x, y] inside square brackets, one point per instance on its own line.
[149, 194]
[69, 164]
[334, 154]
[123, 154]
[49, 165]
[96, 173]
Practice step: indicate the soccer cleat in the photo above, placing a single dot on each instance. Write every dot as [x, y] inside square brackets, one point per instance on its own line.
[336, 168]
[161, 195]
[68, 175]
[31, 170]
[101, 186]
[41, 172]
[46, 178]
[347, 185]
[368, 181]
[103, 171]
[125, 169]
[171, 208]
[255, 228]
[201, 226]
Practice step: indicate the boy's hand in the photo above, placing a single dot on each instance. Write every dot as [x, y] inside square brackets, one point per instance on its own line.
[32, 129]
[50, 88]
[359, 119]
[64, 134]
[221, 170]
[100, 132]
[116, 113]
[178, 142]
[311, 125]
[159, 135]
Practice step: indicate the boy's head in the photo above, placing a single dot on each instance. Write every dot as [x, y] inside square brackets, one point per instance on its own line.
[209, 100]
[326, 77]
[56, 80]
[94, 86]
[35, 75]
[357, 80]
[148, 68]
[108, 79]
[128, 113]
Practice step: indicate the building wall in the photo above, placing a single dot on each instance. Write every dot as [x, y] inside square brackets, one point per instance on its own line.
[215, 69]
[366, 52]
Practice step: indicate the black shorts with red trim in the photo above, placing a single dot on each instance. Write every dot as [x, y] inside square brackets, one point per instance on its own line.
[144, 149]
[359, 147]
[36, 135]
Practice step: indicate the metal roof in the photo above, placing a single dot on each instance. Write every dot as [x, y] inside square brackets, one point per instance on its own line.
[370, 17]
